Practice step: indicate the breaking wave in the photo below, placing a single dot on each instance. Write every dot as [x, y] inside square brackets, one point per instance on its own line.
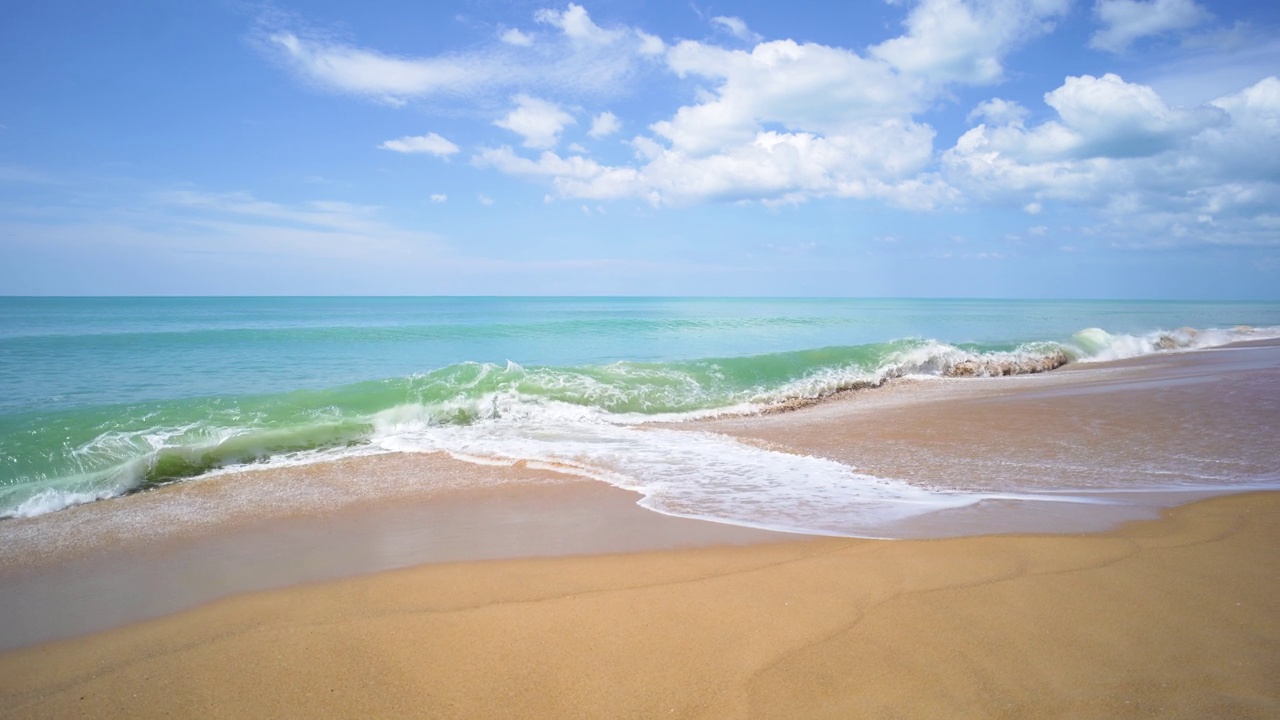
[583, 418]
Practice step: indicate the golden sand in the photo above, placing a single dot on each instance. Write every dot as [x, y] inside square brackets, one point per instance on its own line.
[1178, 617]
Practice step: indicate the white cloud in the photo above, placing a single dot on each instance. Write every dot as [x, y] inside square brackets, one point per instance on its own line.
[582, 59]
[1151, 170]
[604, 125]
[1248, 147]
[539, 121]
[431, 144]
[965, 42]
[484, 199]
[999, 112]
[810, 86]
[1112, 118]
[575, 172]
[513, 36]
[1101, 120]
[576, 24]
[778, 168]
[650, 45]
[736, 27]
[439, 198]
[1124, 21]
[784, 122]
[383, 77]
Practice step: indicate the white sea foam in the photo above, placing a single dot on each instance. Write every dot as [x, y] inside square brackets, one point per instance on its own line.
[54, 499]
[1098, 345]
[688, 473]
[714, 477]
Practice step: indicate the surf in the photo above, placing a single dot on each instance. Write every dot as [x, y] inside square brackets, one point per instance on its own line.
[476, 410]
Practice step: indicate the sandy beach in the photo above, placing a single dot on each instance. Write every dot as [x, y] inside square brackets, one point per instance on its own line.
[557, 360]
[527, 593]
[1168, 618]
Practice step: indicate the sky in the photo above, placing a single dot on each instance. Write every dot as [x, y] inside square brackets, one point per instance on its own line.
[927, 148]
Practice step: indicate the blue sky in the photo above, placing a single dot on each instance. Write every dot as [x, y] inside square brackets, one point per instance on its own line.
[988, 148]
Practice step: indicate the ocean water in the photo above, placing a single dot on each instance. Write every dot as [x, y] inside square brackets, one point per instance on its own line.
[101, 397]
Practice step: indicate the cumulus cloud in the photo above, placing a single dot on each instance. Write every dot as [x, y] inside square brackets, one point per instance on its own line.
[1124, 21]
[784, 122]
[811, 86]
[439, 198]
[650, 45]
[778, 168]
[965, 42]
[575, 23]
[539, 121]
[1210, 173]
[431, 144]
[1099, 118]
[998, 111]
[780, 122]
[1248, 147]
[604, 125]
[1108, 117]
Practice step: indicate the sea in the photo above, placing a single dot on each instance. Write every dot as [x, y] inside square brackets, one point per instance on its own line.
[104, 397]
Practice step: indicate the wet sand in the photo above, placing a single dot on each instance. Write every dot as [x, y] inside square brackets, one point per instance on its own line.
[129, 559]
[1173, 617]
[1181, 421]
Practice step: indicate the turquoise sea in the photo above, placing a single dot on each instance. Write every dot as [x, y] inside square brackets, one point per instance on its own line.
[104, 396]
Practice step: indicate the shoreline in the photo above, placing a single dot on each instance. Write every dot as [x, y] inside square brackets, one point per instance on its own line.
[359, 515]
[1175, 617]
[188, 459]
